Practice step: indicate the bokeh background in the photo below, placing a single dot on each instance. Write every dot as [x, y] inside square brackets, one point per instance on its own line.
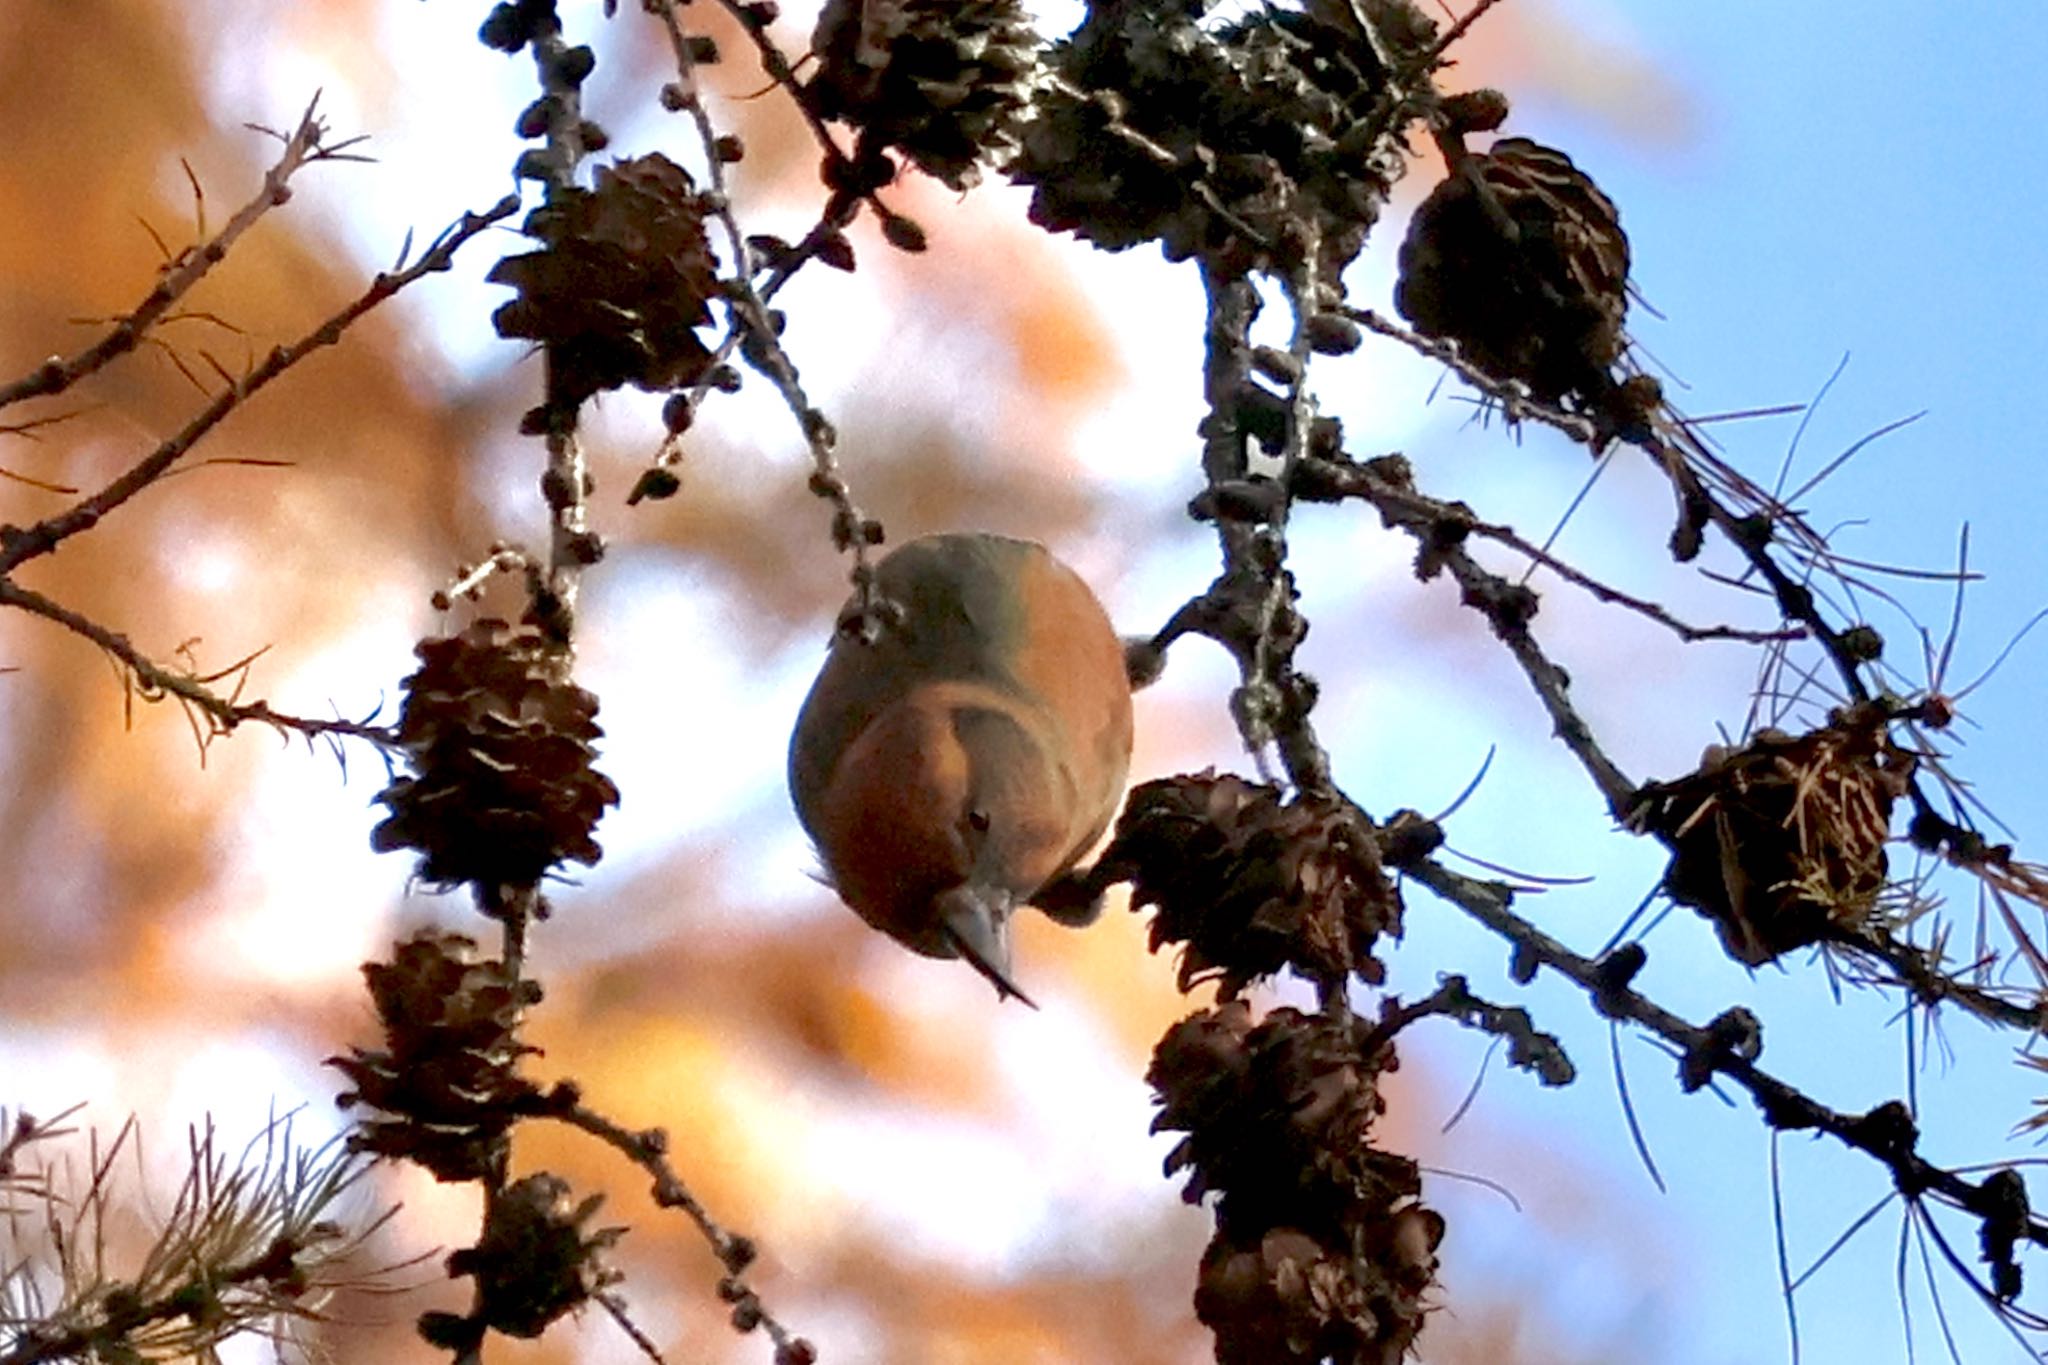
[934, 1179]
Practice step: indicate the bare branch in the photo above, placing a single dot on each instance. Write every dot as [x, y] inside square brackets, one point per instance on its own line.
[1885, 1133]
[1441, 529]
[155, 681]
[753, 330]
[565, 483]
[20, 544]
[184, 269]
[648, 1149]
[1418, 513]
[1456, 31]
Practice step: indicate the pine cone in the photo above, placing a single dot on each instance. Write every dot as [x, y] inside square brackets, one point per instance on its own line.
[621, 284]
[1322, 1250]
[502, 750]
[1782, 842]
[1237, 146]
[446, 1080]
[943, 81]
[1519, 258]
[1269, 1303]
[534, 1261]
[1284, 1299]
[1277, 1119]
[1251, 884]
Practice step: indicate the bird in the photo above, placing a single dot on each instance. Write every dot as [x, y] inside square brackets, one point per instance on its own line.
[956, 763]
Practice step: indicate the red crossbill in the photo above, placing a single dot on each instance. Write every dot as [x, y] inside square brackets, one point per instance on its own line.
[974, 752]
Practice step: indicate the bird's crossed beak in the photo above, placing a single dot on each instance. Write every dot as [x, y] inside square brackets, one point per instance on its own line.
[976, 922]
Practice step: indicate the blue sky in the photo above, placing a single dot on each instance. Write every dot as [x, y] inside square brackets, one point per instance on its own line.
[1861, 180]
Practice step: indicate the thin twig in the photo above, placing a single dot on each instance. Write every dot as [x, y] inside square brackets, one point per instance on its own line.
[21, 544]
[840, 169]
[1508, 607]
[1877, 1134]
[752, 329]
[469, 580]
[648, 1149]
[1343, 478]
[565, 484]
[1455, 32]
[615, 1305]
[182, 271]
[156, 681]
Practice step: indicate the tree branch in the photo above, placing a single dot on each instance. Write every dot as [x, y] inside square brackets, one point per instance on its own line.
[648, 1149]
[177, 276]
[1753, 532]
[21, 544]
[157, 681]
[1886, 1133]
